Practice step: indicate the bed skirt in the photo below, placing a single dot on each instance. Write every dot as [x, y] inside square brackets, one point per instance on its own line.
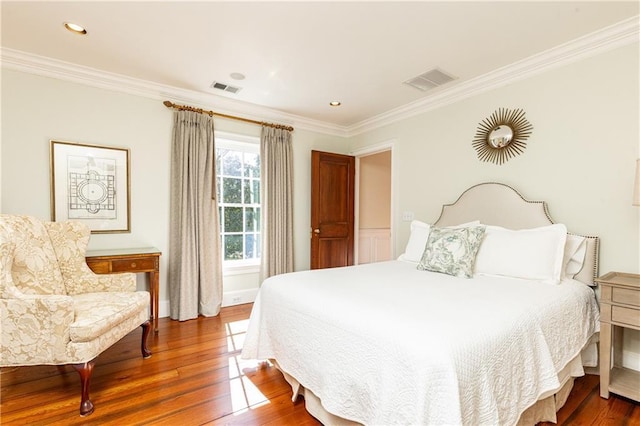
[544, 410]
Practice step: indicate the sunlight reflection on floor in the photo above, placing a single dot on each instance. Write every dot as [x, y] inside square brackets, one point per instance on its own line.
[244, 394]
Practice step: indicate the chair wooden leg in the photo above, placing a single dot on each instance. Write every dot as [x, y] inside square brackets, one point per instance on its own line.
[146, 328]
[85, 370]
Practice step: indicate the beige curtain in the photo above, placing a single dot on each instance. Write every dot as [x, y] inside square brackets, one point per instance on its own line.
[195, 265]
[276, 198]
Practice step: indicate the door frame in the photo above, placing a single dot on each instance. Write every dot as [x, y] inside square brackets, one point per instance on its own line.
[389, 145]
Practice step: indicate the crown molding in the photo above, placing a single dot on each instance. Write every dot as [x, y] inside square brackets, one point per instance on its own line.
[614, 36]
[34, 64]
[609, 38]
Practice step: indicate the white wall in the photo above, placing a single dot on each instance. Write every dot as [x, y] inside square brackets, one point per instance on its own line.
[580, 157]
[36, 109]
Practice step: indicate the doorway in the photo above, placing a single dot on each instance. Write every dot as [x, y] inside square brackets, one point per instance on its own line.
[373, 205]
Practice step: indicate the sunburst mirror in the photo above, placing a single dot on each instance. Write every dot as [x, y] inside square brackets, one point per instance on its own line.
[502, 135]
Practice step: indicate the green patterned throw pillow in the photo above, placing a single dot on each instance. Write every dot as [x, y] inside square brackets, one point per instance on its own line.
[452, 251]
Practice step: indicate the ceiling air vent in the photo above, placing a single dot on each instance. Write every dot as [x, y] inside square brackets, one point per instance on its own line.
[225, 87]
[430, 80]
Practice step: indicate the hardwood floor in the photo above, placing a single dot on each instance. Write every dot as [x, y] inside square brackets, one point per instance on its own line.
[196, 377]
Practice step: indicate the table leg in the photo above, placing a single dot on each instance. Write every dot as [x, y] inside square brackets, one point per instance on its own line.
[605, 358]
[154, 287]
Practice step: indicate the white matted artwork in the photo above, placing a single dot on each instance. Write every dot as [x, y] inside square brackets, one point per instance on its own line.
[90, 184]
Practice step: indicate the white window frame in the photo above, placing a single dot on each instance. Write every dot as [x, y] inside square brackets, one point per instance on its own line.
[247, 144]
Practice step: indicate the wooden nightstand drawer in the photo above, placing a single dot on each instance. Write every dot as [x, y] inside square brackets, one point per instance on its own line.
[132, 265]
[626, 296]
[100, 266]
[625, 316]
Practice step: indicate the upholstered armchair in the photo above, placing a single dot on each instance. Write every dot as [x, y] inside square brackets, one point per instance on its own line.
[54, 309]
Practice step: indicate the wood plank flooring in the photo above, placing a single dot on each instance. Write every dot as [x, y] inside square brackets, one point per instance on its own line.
[196, 377]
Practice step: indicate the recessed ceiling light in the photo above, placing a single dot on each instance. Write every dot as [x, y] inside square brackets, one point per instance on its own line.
[236, 76]
[335, 103]
[75, 28]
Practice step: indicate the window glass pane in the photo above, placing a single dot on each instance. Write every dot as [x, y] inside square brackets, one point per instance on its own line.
[232, 247]
[250, 250]
[232, 163]
[221, 218]
[218, 189]
[252, 219]
[256, 191]
[231, 190]
[233, 219]
[258, 247]
[246, 187]
[220, 152]
[251, 164]
[250, 195]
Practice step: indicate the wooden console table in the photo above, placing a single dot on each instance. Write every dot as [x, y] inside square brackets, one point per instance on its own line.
[145, 259]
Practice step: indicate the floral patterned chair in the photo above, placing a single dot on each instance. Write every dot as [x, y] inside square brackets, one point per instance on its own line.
[53, 309]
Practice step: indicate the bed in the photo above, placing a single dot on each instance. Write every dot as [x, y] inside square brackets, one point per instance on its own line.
[486, 318]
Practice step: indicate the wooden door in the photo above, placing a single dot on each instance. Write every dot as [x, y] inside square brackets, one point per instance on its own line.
[332, 209]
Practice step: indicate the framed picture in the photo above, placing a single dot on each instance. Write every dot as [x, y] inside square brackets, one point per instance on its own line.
[90, 184]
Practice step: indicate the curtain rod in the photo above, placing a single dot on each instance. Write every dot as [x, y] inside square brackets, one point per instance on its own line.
[170, 104]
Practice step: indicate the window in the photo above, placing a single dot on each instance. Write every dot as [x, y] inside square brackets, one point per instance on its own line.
[238, 181]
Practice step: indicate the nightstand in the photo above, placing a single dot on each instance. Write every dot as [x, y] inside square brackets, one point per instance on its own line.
[619, 308]
[134, 260]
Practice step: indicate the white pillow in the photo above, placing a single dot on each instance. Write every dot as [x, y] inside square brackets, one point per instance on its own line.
[417, 242]
[574, 252]
[535, 254]
[418, 239]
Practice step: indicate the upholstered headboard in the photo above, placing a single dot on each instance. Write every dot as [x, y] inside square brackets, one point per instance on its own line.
[498, 204]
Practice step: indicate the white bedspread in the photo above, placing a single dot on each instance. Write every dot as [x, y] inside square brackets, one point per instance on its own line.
[385, 343]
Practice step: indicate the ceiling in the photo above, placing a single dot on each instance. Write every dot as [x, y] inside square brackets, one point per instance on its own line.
[299, 56]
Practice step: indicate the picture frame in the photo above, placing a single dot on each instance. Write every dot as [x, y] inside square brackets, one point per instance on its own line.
[91, 184]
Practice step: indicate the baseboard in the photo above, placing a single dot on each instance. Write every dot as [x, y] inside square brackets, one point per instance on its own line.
[239, 297]
[230, 298]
